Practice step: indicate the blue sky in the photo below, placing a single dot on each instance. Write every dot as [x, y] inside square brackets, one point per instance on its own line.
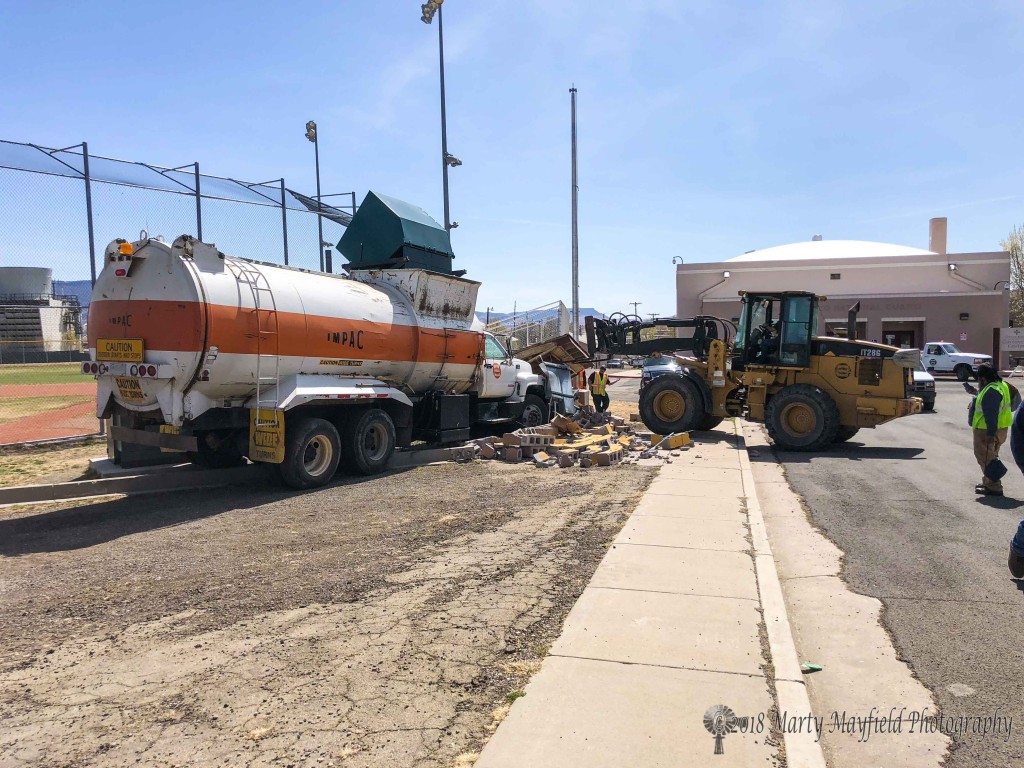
[706, 129]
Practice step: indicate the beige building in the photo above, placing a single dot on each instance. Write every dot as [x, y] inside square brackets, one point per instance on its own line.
[908, 296]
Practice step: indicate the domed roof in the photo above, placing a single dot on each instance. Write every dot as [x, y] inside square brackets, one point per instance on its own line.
[831, 249]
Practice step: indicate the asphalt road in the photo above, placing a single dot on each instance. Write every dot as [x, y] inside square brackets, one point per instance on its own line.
[899, 501]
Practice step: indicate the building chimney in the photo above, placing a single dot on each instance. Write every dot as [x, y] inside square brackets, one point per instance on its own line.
[937, 236]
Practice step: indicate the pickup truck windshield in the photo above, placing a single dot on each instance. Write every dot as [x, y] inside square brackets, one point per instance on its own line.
[951, 349]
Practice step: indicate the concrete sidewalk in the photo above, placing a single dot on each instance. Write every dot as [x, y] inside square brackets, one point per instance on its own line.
[670, 626]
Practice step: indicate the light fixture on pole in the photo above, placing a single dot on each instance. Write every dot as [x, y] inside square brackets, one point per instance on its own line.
[312, 136]
[447, 160]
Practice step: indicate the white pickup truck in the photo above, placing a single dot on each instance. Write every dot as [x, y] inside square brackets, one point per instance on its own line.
[943, 357]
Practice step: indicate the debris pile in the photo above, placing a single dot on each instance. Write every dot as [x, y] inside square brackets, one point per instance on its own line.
[587, 439]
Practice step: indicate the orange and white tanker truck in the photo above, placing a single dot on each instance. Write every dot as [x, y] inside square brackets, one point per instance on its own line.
[225, 358]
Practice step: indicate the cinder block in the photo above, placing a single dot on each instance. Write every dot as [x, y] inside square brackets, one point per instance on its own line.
[571, 453]
[676, 441]
[634, 417]
[511, 438]
[586, 461]
[566, 460]
[608, 457]
[488, 451]
[540, 456]
[513, 453]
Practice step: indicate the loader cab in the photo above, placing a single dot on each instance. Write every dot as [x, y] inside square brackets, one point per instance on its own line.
[775, 330]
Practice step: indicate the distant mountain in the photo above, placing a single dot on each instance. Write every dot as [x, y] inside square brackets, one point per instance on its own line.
[82, 289]
[536, 317]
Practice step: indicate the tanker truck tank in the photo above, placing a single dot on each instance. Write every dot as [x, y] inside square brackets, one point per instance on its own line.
[196, 350]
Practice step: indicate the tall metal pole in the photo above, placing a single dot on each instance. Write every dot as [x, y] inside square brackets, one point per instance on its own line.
[199, 207]
[444, 125]
[88, 211]
[319, 207]
[635, 305]
[284, 223]
[575, 231]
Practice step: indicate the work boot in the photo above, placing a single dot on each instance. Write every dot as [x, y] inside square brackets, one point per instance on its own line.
[1016, 565]
[991, 492]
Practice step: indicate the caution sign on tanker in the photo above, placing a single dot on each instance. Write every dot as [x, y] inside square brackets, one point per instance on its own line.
[266, 435]
[130, 389]
[119, 350]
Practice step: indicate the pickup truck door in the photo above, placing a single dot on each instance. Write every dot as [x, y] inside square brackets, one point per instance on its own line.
[498, 377]
[935, 358]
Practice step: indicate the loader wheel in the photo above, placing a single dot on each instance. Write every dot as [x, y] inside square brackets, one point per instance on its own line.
[709, 422]
[671, 404]
[369, 441]
[963, 372]
[217, 449]
[802, 418]
[535, 412]
[845, 433]
[311, 452]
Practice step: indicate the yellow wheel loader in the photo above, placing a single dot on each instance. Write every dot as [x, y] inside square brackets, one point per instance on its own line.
[810, 391]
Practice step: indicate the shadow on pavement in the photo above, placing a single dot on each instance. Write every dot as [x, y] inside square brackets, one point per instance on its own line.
[851, 451]
[999, 502]
[87, 525]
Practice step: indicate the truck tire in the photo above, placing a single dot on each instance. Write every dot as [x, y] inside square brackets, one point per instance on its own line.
[368, 442]
[535, 412]
[217, 449]
[845, 433]
[963, 372]
[802, 417]
[709, 422]
[929, 405]
[672, 404]
[312, 449]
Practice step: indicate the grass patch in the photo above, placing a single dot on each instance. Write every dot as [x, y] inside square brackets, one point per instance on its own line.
[13, 408]
[514, 695]
[52, 464]
[44, 373]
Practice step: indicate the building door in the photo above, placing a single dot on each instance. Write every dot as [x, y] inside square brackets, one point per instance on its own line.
[903, 339]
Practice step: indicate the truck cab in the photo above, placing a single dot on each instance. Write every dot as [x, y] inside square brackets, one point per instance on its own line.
[943, 357]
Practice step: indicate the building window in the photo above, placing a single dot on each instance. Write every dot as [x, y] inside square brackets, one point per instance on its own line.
[835, 276]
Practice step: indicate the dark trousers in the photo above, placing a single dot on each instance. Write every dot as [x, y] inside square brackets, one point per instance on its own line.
[601, 403]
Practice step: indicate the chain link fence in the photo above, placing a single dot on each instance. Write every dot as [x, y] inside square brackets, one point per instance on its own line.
[58, 210]
[531, 326]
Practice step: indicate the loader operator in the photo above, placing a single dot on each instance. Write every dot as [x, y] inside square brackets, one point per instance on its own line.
[599, 389]
[990, 417]
[765, 340]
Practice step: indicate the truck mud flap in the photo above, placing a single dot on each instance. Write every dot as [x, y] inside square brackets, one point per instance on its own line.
[154, 439]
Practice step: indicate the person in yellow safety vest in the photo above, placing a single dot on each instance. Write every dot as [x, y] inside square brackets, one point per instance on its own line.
[599, 389]
[990, 417]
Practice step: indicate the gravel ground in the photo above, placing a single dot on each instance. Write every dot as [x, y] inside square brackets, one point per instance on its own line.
[378, 622]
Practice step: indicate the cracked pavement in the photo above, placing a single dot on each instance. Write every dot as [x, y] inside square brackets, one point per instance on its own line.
[379, 621]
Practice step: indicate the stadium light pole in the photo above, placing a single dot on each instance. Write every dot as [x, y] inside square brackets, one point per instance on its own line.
[311, 134]
[447, 160]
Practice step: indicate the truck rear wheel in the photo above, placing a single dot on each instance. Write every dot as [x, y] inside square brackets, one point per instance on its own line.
[217, 449]
[672, 404]
[535, 412]
[369, 442]
[802, 418]
[311, 452]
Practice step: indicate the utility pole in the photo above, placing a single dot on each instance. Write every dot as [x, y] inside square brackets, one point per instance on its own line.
[635, 305]
[575, 229]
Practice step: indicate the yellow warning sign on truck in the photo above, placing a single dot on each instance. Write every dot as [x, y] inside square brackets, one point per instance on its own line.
[266, 435]
[119, 350]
